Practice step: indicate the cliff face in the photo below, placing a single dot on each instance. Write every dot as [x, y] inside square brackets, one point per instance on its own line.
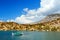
[50, 17]
[53, 24]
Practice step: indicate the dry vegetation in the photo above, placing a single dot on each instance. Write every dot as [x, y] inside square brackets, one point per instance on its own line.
[53, 25]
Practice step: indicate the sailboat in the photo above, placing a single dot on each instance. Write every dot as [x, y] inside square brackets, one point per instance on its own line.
[17, 33]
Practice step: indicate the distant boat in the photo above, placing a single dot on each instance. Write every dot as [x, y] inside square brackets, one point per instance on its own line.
[17, 33]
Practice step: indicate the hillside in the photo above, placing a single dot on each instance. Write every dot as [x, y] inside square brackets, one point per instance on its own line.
[50, 17]
[50, 23]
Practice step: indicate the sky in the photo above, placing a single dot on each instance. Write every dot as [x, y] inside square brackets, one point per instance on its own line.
[27, 11]
[10, 9]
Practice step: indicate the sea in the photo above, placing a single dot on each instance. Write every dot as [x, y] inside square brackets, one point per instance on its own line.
[30, 35]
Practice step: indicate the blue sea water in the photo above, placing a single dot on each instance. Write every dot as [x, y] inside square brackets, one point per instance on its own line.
[29, 35]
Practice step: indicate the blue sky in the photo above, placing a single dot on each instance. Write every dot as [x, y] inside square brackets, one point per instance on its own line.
[10, 9]
[27, 11]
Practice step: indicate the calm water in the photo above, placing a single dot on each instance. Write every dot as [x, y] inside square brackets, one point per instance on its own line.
[28, 35]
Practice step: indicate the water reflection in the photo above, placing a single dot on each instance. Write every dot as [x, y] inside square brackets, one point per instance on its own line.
[28, 35]
[39, 36]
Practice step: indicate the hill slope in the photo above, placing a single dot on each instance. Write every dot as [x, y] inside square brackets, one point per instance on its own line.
[50, 17]
[50, 23]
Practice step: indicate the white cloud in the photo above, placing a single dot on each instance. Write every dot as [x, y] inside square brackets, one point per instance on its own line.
[22, 19]
[10, 20]
[47, 7]
[26, 9]
[1, 20]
